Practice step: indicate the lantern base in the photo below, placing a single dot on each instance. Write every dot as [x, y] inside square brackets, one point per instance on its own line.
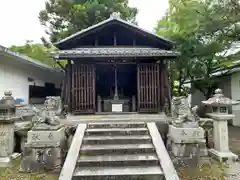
[9, 161]
[222, 156]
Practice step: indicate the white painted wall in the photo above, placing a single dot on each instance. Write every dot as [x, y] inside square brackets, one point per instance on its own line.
[235, 91]
[14, 76]
[225, 85]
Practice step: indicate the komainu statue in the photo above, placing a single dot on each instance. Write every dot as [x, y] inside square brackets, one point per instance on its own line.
[49, 115]
[182, 111]
[54, 104]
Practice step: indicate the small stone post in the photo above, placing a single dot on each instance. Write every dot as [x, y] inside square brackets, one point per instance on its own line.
[220, 117]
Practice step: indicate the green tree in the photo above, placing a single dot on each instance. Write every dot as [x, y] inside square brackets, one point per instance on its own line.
[201, 29]
[38, 52]
[65, 17]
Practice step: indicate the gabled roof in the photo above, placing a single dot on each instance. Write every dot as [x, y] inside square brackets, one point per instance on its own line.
[25, 59]
[113, 19]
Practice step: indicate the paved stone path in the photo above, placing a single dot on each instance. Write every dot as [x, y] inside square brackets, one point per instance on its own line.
[233, 171]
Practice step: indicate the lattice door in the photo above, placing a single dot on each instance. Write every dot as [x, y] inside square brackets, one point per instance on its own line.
[83, 89]
[149, 91]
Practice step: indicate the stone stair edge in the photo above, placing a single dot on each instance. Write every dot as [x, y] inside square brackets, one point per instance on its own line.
[118, 123]
[115, 129]
[116, 171]
[115, 146]
[122, 157]
[116, 137]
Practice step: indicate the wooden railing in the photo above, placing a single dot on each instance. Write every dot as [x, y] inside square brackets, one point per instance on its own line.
[73, 154]
[167, 166]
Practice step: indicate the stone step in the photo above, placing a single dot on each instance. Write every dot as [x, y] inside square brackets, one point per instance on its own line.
[117, 131]
[118, 173]
[117, 139]
[119, 160]
[116, 149]
[118, 125]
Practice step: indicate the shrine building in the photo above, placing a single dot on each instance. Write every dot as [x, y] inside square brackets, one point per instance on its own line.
[115, 66]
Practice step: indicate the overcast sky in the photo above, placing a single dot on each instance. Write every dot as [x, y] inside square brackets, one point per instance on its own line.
[19, 18]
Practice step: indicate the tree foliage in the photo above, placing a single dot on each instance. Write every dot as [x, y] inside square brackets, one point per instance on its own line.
[203, 30]
[65, 17]
[38, 52]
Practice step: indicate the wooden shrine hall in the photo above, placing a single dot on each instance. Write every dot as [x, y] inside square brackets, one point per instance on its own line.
[115, 66]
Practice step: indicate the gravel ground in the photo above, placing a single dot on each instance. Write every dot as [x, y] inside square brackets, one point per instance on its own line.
[14, 174]
[216, 171]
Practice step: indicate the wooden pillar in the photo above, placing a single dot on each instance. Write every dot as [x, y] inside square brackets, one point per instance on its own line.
[167, 85]
[69, 86]
[115, 84]
[99, 104]
[115, 71]
[64, 89]
[162, 85]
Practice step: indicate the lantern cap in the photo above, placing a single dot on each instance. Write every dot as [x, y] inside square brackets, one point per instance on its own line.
[219, 99]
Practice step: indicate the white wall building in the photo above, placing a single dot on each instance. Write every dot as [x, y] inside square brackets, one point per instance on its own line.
[230, 84]
[17, 72]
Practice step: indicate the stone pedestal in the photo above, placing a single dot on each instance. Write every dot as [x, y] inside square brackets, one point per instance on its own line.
[7, 143]
[186, 145]
[220, 134]
[21, 129]
[45, 150]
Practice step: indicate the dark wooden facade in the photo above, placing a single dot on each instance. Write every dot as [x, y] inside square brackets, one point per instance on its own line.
[152, 86]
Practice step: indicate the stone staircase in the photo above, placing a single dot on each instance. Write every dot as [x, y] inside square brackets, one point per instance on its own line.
[114, 151]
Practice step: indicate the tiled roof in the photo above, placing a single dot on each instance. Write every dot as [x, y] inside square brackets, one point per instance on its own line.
[114, 52]
[26, 59]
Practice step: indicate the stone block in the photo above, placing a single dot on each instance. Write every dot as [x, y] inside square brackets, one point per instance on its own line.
[180, 135]
[44, 150]
[186, 145]
[223, 156]
[8, 161]
[40, 136]
[42, 159]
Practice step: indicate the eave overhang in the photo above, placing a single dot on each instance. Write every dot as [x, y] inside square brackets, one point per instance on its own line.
[113, 52]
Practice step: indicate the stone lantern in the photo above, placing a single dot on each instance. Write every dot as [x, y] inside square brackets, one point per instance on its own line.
[7, 137]
[220, 106]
